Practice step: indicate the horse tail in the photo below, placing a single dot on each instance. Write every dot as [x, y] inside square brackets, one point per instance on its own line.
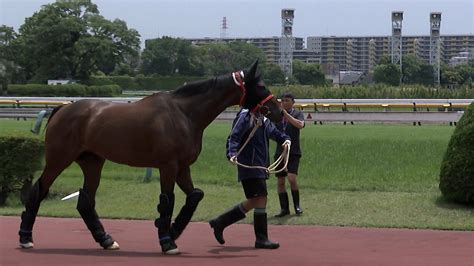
[55, 110]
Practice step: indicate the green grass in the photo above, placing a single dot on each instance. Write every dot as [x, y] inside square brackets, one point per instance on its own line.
[361, 175]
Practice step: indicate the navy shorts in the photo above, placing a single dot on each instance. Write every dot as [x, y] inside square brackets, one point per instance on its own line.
[254, 187]
[293, 165]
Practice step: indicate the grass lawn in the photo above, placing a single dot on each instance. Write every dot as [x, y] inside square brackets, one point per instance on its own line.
[363, 175]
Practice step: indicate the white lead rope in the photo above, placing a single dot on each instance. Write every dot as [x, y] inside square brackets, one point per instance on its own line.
[271, 169]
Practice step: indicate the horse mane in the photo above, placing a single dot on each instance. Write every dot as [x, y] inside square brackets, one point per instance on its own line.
[195, 87]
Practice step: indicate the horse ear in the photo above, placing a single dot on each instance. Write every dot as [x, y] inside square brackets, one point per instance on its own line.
[251, 74]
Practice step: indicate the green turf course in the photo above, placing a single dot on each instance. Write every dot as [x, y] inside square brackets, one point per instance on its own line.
[362, 175]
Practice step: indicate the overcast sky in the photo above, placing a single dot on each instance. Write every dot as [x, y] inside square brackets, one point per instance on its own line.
[261, 18]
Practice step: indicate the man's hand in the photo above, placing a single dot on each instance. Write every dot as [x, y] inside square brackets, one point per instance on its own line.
[233, 160]
[286, 143]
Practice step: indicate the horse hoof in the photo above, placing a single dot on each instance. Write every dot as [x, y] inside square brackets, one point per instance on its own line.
[174, 251]
[114, 246]
[27, 245]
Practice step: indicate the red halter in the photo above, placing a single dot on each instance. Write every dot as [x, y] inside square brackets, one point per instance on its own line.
[262, 102]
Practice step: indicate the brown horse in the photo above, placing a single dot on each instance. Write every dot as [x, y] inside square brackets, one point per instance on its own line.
[163, 130]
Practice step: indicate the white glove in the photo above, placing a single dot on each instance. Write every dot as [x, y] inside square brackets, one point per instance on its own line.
[286, 143]
[233, 160]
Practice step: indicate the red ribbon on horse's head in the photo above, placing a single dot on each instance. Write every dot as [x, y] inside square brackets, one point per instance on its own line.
[238, 77]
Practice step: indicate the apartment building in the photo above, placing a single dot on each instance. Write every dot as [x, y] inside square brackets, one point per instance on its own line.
[362, 53]
[352, 53]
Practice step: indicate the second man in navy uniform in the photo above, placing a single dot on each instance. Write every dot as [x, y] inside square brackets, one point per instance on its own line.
[293, 121]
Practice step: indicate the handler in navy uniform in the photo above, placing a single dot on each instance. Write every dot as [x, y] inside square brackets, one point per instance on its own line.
[255, 153]
[293, 122]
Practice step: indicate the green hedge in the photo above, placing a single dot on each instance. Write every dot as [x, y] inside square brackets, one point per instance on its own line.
[66, 90]
[457, 168]
[141, 82]
[20, 158]
[376, 92]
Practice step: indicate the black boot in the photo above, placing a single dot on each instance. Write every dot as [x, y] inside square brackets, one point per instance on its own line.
[86, 208]
[284, 205]
[186, 213]
[163, 223]
[261, 232]
[222, 221]
[28, 217]
[295, 194]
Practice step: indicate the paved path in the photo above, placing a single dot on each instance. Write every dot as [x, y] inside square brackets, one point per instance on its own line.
[61, 241]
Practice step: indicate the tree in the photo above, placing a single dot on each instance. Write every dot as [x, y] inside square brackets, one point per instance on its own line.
[220, 58]
[466, 72]
[308, 73]
[245, 54]
[425, 75]
[171, 56]
[449, 76]
[9, 71]
[385, 60]
[118, 45]
[387, 73]
[7, 36]
[415, 71]
[273, 74]
[217, 58]
[69, 39]
[458, 75]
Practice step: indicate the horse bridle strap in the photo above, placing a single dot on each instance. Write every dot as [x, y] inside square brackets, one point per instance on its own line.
[262, 102]
[238, 77]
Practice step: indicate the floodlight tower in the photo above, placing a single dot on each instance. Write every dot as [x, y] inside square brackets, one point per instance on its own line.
[435, 44]
[224, 28]
[397, 18]
[287, 41]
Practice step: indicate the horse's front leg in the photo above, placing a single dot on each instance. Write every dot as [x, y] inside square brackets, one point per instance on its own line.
[193, 197]
[165, 207]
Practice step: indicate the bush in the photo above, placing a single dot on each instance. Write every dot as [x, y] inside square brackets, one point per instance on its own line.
[66, 90]
[125, 82]
[20, 158]
[376, 91]
[102, 91]
[141, 82]
[457, 168]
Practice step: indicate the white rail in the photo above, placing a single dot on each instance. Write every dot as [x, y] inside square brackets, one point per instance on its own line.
[317, 110]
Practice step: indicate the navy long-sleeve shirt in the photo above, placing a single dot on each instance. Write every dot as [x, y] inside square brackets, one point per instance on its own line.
[255, 152]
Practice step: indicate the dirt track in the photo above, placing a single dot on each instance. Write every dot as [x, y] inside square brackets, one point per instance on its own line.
[67, 242]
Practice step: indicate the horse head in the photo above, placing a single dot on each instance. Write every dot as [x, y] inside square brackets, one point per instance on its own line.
[257, 98]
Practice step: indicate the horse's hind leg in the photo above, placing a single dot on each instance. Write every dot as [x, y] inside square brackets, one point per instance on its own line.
[193, 197]
[91, 166]
[37, 193]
